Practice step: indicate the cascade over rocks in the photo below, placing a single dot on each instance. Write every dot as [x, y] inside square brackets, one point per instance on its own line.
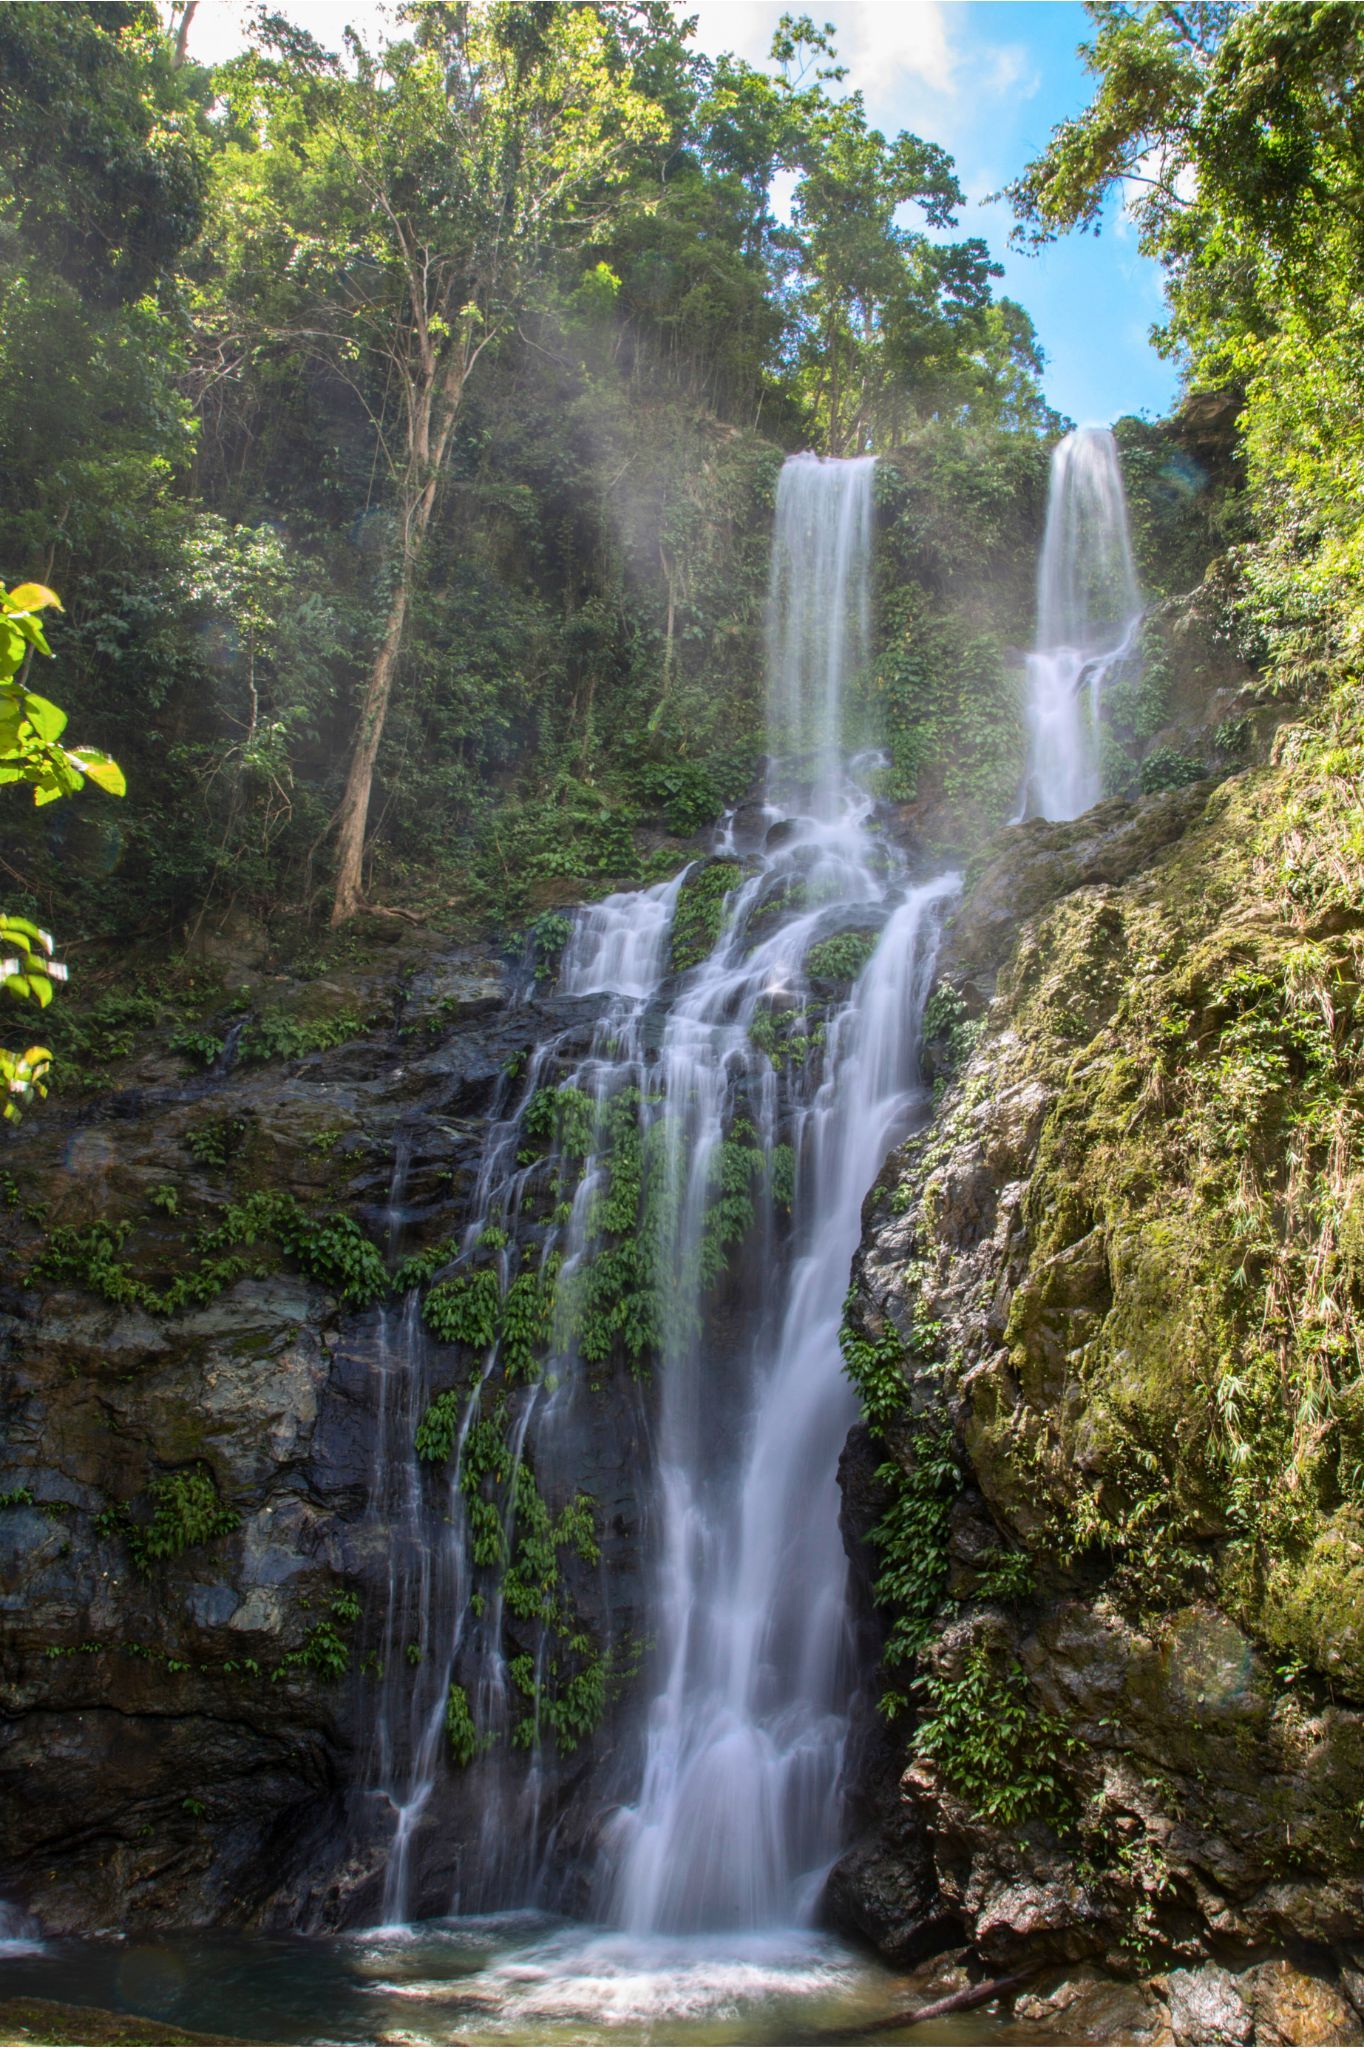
[448, 1414]
[182, 1785]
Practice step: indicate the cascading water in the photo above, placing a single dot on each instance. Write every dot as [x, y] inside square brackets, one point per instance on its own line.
[438, 1618]
[672, 1184]
[739, 1814]
[818, 618]
[1088, 613]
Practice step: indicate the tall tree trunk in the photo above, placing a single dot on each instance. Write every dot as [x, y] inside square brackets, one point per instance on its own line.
[350, 845]
[181, 47]
[428, 454]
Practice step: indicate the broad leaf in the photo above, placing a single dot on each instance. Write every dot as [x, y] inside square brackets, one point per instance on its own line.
[32, 597]
[47, 719]
[102, 769]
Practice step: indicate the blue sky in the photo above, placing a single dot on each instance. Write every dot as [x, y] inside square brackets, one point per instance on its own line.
[986, 78]
[989, 79]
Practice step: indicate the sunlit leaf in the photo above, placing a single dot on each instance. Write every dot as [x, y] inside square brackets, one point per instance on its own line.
[102, 769]
[33, 597]
[47, 719]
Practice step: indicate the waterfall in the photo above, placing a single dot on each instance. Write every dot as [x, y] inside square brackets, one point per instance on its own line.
[739, 1810]
[440, 1627]
[1088, 613]
[659, 1233]
[818, 614]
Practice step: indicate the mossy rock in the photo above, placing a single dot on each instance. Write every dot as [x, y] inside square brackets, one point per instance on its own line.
[1314, 1605]
[700, 913]
[47, 2022]
[837, 961]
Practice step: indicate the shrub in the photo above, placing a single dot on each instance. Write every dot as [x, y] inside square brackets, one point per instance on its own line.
[840, 958]
[1168, 769]
[700, 912]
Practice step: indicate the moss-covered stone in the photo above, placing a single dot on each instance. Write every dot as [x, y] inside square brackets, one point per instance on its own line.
[50, 2024]
[700, 911]
[1136, 1228]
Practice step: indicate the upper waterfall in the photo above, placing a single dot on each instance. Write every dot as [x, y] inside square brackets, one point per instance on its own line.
[1088, 611]
[818, 620]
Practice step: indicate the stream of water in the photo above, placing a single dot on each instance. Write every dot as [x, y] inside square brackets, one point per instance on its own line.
[1088, 615]
[496, 1979]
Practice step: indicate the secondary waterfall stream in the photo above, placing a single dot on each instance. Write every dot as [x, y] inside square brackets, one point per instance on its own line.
[1088, 614]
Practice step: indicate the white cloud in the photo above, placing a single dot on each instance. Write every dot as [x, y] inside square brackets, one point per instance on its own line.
[1008, 68]
[884, 43]
[744, 28]
[219, 27]
[889, 42]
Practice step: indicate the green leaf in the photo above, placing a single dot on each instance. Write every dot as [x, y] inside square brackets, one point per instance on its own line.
[47, 719]
[24, 928]
[33, 633]
[12, 648]
[102, 769]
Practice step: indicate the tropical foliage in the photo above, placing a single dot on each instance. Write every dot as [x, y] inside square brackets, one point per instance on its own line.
[400, 422]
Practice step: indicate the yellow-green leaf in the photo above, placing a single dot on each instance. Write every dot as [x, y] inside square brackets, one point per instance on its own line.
[102, 769]
[47, 719]
[33, 597]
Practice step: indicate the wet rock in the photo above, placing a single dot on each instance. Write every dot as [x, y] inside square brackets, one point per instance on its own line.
[1089, 2006]
[1203, 1807]
[749, 825]
[1293, 2006]
[195, 1767]
[884, 1890]
[1206, 2006]
[55, 2025]
[1030, 866]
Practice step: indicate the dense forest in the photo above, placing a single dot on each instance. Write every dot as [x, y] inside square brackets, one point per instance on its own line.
[394, 437]
[337, 380]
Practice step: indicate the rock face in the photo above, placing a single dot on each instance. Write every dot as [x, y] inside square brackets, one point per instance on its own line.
[1133, 1718]
[193, 1580]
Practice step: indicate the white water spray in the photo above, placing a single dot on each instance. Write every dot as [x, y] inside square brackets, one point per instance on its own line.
[818, 615]
[734, 1805]
[739, 1813]
[1088, 613]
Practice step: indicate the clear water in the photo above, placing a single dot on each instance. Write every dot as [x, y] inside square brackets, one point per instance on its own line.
[1088, 613]
[504, 1978]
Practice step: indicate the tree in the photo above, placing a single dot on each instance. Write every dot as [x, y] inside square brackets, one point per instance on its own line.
[411, 195]
[887, 322]
[31, 751]
[1233, 132]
